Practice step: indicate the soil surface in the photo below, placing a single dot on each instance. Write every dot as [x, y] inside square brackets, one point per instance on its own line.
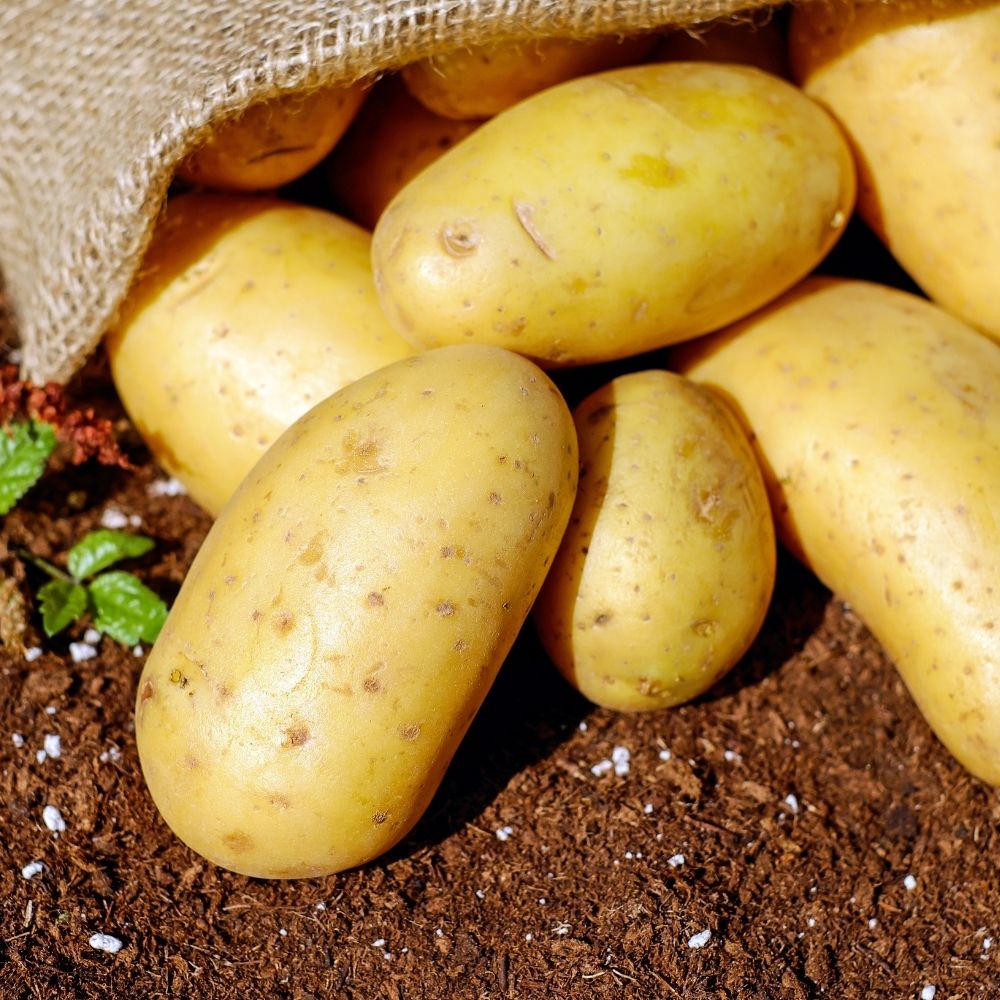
[796, 833]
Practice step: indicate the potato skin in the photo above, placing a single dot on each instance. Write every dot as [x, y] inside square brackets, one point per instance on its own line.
[274, 142]
[482, 80]
[877, 419]
[349, 610]
[916, 85]
[616, 213]
[666, 571]
[393, 138]
[248, 312]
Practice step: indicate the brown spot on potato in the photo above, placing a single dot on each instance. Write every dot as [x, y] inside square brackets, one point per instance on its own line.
[410, 732]
[230, 580]
[603, 618]
[380, 817]
[461, 646]
[255, 615]
[191, 762]
[313, 552]
[147, 693]
[375, 599]
[296, 735]
[237, 841]
[704, 627]
[460, 239]
[445, 609]
[177, 677]
[494, 497]
[279, 801]
[283, 622]
[372, 683]
[360, 455]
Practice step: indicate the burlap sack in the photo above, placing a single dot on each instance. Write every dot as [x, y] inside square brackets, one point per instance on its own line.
[99, 100]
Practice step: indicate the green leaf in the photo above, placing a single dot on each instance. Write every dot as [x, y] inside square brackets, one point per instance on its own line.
[24, 450]
[62, 602]
[127, 609]
[99, 549]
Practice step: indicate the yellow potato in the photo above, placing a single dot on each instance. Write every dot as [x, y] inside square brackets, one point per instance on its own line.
[615, 214]
[481, 81]
[248, 311]
[916, 85]
[393, 138]
[877, 417]
[349, 610]
[762, 45]
[666, 570]
[273, 142]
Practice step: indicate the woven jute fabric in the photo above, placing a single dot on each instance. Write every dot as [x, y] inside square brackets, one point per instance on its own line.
[100, 99]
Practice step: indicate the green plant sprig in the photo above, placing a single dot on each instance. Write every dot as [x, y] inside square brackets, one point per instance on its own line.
[120, 604]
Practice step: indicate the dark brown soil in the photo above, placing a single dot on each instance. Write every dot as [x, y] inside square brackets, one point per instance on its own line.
[802, 795]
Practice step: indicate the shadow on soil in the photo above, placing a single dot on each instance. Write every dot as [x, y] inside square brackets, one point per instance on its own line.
[531, 710]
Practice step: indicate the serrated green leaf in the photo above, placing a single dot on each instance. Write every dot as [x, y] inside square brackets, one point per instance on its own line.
[61, 603]
[126, 609]
[100, 549]
[24, 450]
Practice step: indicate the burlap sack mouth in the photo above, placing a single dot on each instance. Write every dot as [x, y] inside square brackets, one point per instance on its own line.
[100, 101]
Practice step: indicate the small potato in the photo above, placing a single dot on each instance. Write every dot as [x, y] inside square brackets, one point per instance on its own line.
[877, 418]
[393, 138]
[615, 214]
[481, 81]
[666, 570]
[349, 610]
[248, 312]
[916, 85]
[274, 142]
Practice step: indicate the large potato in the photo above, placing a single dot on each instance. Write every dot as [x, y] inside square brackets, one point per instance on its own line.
[273, 142]
[349, 610]
[482, 80]
[666, 570]
[248, 312]
[616, 213]
[877, 416]
[916, 84]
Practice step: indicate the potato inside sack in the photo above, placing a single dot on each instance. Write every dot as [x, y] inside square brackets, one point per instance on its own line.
[916, 86]
[349, 610]
[393, 138]
[877, 418]
[248, 311]
[273, 142]
[667, 567]
[481, 81]
[615, 214]
[764, 45]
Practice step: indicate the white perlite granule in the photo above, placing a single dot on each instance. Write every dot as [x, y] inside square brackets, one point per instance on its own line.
[910, 883]
[80, 651]
[504, 832]
[53, 819]
[105, 942]
[29, 871]
[621, 758]
[52, 745]
[928, 992]
[700, 939]
[114, 519]
[166, 488]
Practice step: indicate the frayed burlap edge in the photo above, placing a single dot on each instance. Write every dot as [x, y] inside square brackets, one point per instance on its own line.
[97, 106]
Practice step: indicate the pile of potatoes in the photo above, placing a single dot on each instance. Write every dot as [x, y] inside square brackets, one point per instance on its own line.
[373, 400]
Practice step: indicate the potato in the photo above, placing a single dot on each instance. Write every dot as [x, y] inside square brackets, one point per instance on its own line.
[275, 141]
[877, 417]
[248, 312]
[666, 570]
[763, 45]
[916, 85]
[393, 138]
[615, 214]
[297, 721]
[483, 80]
